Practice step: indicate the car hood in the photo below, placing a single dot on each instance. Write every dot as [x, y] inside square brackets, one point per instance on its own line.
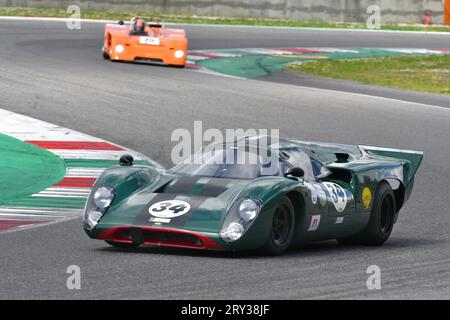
[208, 200]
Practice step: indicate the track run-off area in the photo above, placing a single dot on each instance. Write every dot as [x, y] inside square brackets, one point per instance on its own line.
[60, 100]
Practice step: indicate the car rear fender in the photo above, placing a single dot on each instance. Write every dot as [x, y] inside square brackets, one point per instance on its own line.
[410, 160]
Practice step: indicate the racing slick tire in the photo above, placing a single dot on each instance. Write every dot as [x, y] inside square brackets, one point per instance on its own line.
[122, 245]
[105, 55]
[282, 228]
[381, 221]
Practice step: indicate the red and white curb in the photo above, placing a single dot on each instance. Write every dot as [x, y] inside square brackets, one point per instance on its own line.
[65, 199]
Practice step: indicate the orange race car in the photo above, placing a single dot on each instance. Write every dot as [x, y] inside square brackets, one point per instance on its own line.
[141, 41]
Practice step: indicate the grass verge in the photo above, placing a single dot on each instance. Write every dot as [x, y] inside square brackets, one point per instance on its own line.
[420, 73]
[115, 15]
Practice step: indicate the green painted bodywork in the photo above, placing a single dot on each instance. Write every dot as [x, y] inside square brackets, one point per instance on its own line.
[365, 167]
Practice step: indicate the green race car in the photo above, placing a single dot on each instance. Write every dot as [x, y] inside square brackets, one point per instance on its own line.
[291, 192]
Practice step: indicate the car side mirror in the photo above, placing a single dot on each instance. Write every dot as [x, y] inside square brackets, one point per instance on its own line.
[295, 172]
[126, 160]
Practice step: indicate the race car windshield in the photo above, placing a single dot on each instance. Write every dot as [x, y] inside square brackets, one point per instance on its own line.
[230, 162]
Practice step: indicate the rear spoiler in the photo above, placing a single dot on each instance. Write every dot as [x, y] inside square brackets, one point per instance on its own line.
[411, 159]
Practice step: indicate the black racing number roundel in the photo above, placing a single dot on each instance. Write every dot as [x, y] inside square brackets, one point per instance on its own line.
[169, 208]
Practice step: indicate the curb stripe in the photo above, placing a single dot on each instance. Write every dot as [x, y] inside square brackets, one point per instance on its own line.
[192, 65]
[300, 50]
[91, 154]
[334, 50]
[76, 182]
[42, 211]
[49, 202]
[267, 51]
[413, 51]
[7, 224]
[76, 145]
[60, 196]
[44, 217]
[206, 55]
[84, 172]
[69, 190]
[63, 192]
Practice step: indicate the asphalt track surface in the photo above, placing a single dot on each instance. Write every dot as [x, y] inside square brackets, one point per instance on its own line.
[57, 75]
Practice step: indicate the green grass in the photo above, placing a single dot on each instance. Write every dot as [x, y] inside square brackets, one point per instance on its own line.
[419, 73]
[125, 15]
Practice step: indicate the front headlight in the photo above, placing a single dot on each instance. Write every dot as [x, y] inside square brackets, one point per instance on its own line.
[92, 219]
[240, 218]
[179, 54]
[119, 48]
[248, 209]
[97, 204]
[103, 197]
[233, 232]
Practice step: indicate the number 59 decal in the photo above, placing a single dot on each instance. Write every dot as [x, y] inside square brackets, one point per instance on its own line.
[169, 208]
[338, 195]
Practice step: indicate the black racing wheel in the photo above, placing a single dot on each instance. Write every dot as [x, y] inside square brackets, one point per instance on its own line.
[282, 228]
[381, 222]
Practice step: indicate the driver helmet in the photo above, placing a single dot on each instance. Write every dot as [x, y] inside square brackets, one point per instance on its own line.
[138, 25]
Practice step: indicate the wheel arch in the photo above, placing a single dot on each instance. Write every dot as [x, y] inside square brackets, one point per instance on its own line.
[298, 203]
[399, 190]
[108, 38]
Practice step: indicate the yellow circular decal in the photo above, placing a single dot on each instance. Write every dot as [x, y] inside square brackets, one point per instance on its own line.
[366, 197]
